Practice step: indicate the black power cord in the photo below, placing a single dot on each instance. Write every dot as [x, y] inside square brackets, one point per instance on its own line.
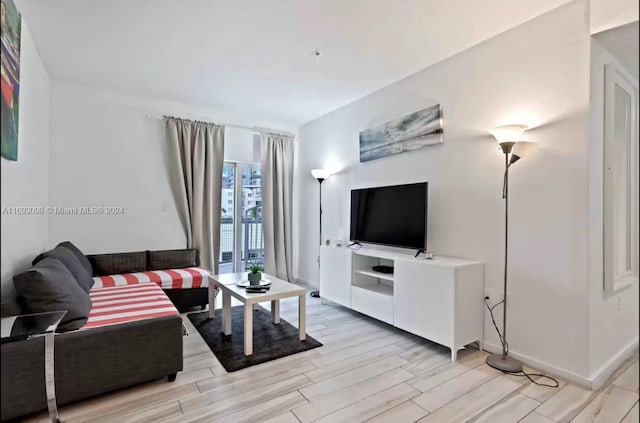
[505, 346]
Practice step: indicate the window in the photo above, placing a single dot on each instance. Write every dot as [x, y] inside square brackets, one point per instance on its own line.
[620, 181]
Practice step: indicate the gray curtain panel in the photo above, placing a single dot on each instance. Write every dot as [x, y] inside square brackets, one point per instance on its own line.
[196, 152]
[277, 209]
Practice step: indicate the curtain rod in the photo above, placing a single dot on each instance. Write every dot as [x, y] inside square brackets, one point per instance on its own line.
[255, 131]
[231, 125]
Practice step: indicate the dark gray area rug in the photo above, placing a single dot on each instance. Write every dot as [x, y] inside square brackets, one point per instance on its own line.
[270, 341]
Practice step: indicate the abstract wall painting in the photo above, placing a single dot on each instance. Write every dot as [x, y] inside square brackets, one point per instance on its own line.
[10, 69]
[411, 132]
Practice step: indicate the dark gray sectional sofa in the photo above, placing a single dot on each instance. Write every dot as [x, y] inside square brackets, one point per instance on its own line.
[96, 360]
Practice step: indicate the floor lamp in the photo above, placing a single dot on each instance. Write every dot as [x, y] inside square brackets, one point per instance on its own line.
[320, 175]
[510, 139]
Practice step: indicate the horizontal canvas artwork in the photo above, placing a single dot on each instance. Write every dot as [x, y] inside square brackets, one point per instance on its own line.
[414, 131]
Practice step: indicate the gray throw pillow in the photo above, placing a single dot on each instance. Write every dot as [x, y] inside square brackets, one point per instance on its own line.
[71, 262]
[79, 255]
[50, 286]
[172, 259]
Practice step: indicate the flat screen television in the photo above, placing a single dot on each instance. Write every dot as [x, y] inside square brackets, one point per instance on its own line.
[391, 215]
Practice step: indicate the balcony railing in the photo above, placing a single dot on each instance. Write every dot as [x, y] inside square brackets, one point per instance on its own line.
[252, 240]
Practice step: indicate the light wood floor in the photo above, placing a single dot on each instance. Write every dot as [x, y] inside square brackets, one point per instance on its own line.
[366, 371]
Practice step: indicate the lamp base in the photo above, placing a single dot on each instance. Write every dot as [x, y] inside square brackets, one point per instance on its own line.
[315, 294]
[505, 364]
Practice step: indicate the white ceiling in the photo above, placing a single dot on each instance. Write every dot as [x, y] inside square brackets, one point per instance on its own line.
[622, 42]
[256, 56]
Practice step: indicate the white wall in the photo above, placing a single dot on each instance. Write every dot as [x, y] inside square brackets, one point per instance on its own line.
[613, 330]
[607, 14]
[537, 73]
[25, 183]
[105, 151]
[241, 145]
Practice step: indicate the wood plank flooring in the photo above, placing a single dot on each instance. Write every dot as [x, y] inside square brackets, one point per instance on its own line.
[365, 371]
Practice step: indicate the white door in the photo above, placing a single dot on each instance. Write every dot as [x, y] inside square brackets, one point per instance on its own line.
[241, 236]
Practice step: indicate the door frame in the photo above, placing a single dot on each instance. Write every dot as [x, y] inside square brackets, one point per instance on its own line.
[612, 281]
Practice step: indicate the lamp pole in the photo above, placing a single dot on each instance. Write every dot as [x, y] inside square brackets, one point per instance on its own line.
[505, 195]
[316, 294]
[320, 180]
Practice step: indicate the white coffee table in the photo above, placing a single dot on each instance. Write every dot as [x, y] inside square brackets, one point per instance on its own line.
[279, 289]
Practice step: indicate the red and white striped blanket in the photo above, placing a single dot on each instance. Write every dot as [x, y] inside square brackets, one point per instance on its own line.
[189, 277]
[128, 303]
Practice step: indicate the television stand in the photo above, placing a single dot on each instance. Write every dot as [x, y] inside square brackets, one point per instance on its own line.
[421, 250]
[439, 299]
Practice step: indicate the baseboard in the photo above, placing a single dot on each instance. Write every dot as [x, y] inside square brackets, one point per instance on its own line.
[307, 283]
[542, 366]
[607, 369]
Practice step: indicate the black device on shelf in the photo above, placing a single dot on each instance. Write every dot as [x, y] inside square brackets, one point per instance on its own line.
[392, 215]
[383, 269]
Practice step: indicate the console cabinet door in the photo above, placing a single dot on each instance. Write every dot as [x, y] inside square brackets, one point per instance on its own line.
[424, 300]
[335, 274]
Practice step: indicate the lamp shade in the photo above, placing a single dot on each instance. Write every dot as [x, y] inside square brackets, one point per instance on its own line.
[320, 174]
[509, 133]
[524, 148]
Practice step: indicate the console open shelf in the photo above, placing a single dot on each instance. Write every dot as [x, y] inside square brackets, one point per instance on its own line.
[374, 274]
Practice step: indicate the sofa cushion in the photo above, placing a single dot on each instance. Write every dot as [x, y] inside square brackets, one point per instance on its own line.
[72, 263]
[50, 286]
[128, 303]
[189, 277]
[112, 264]
[172, 259]
[79, 255]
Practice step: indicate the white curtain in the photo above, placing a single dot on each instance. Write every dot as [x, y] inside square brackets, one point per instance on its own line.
[277, 204]
[196, 152]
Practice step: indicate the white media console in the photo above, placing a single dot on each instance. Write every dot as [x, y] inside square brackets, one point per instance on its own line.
[439, 299]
